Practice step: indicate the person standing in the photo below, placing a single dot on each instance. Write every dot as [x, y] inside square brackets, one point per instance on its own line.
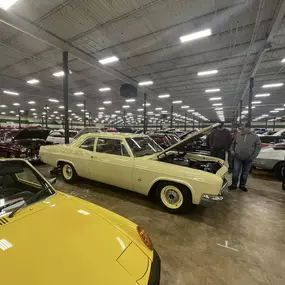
[245, 148]
[230, 156]
[220, 141]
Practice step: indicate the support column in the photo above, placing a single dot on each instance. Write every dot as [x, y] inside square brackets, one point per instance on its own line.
[19, 118]
[144, 115]
[266, 124]
[46, 116]
[274, 121]
[240, 111]
[249, 117]
[171, 116]
[185, 122]
[65, 95]
[193, 123]
[84, 116]
[124, 117]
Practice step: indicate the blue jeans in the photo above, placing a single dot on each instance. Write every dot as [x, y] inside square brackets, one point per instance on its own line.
[230, 160]
[241, 170]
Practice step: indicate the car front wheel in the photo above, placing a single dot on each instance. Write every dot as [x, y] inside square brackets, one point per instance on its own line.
[68, 173]
[174, 197]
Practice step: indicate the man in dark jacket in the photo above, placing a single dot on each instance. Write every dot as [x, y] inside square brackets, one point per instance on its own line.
[220, 141]
[245, 147]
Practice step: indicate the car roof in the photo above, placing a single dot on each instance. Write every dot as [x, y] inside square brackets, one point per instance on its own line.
[113, 135]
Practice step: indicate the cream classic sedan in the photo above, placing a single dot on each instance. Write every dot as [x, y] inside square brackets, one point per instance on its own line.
[175, 176]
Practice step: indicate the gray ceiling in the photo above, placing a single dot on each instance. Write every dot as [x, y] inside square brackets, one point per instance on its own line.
[247, 39]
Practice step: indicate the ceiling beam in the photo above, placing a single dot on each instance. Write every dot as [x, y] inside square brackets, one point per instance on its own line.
[273, 29]
[36, 32]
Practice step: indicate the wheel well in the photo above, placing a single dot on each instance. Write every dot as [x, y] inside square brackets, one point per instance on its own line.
[152, 190]
[277, 164]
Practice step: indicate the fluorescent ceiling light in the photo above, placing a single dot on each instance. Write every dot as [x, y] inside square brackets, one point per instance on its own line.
[150, 113]
[279, 109]
[262, 95]
[164, 96]
[272, 85]
[144, 83]
[177, 102]
[252, 107]
[12, 112]
[100, 108]
[195, 36]
[80, 105]
[208, 72]
[53, 100]
[215, 98]
[140, 110]
[78, 93]
[31, 102]
[219, 109]
[108, 60]
[147, 104]
[283, 60]
[3, 113]
[256, 102]
[218, 104]
[117, 112]
[104, 89]
[158, 109]
[125, 106]
[33, 81]
[274, 111]
[55, 112]
[192, 110]
[212, 90]
[265, 115]
[6, 4]
[16, 104]
[33, 110]
[107, 102]
[3, 106]
[184, 107]
[61, 107]
[130, 100]
[11, 92]
[58, 74]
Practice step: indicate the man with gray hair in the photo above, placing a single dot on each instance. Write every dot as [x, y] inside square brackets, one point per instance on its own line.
[245, 147]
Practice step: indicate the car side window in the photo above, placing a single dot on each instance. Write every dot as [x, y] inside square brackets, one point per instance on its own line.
[111, 146]
[88, 144]
[56, 135]
[283, 134]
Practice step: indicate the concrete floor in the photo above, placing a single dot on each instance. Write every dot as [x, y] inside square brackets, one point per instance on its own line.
[251, 224]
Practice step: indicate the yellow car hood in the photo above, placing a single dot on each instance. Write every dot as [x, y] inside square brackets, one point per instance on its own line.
[58, 241]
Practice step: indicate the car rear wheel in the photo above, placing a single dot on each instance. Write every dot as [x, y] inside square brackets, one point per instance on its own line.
[279, 170]
[173, 197]
[68, 173]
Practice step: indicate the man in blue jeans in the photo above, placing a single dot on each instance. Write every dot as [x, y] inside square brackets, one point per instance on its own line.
[245, 147]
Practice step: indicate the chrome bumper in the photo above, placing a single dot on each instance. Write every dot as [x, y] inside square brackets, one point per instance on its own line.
[209, 200]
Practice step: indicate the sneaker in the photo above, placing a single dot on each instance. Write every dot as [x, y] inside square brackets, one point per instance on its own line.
[243, 188]
[232, 187]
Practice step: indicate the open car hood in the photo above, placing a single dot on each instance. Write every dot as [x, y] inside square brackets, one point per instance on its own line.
[180, 145]
[32, 134]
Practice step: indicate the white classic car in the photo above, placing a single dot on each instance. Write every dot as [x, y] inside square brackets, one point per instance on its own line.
[57, 136]
[272, 158]
[177, 178]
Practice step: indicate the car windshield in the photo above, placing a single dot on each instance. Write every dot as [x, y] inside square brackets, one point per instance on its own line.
[142, 146]
[18, 183]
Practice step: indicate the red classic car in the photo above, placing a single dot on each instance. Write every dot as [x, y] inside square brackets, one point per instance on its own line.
[24, 143]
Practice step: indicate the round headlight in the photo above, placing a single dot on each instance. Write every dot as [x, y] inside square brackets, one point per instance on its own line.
[145, 238]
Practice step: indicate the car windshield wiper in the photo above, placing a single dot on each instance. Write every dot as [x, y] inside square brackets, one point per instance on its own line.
[10, 204]
[32, 198]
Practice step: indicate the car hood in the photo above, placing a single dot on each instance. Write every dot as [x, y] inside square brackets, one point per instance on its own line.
[32, 134]
[59, 241]
[191, 138]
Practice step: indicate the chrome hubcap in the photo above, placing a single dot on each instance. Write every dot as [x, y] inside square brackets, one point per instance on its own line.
[172, 196]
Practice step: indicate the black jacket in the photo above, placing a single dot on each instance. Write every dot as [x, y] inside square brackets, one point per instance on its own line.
[221, 139]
